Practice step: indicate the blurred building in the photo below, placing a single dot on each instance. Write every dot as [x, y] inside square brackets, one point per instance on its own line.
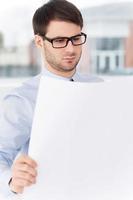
[110, 38]
[18, 61]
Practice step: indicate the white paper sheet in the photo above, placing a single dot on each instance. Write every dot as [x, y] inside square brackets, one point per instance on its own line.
[82, 139]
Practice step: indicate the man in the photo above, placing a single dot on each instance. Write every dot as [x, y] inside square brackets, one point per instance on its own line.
[58, 34]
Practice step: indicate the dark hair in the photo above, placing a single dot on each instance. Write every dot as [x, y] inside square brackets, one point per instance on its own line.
[61, 10]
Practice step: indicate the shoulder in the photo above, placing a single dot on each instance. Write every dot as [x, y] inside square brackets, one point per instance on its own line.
[28, 89]
[23, 97]
[87, 78]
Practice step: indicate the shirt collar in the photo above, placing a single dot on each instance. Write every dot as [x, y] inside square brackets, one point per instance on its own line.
[45, 72]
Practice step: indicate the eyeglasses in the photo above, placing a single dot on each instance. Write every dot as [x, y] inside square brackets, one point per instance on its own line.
[61, 42]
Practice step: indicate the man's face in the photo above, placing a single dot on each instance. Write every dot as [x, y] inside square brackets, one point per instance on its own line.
[62, 61]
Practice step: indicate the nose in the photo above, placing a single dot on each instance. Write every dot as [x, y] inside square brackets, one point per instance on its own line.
[69, 47]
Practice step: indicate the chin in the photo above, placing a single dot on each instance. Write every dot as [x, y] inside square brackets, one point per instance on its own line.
[69, 65]
[69, 68]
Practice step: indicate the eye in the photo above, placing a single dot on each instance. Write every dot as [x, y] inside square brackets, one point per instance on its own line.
[77, 38]
[59, 40]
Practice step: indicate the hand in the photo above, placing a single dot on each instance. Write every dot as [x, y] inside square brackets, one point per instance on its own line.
[23, 173]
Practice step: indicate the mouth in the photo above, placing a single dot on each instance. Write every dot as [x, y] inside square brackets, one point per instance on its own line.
[69, 58]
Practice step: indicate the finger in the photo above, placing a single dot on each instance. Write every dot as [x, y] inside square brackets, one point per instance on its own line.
[20, 182]
[26, 159]
[24, 168]
[25, 176]
[17, 189]
[17, 185]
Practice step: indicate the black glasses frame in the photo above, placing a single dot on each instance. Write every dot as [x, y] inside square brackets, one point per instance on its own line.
[51, 40]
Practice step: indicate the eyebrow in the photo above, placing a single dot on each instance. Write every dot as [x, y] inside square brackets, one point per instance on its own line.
[66, 36]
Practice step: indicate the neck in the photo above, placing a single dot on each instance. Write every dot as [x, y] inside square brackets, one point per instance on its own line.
[66, 74]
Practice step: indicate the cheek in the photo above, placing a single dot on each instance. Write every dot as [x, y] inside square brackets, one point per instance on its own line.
[78, 49]
[59, 53]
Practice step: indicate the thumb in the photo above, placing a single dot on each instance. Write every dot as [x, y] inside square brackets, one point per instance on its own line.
[15, 189]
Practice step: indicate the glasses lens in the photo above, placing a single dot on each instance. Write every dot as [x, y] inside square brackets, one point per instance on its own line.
[78, 40]
[59, 42]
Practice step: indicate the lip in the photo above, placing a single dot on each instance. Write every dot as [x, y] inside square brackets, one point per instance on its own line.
[69, 58]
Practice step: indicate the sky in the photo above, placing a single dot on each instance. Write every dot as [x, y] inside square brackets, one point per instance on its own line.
[16, 16]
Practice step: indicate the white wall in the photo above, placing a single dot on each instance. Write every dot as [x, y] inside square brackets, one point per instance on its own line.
[107, 28]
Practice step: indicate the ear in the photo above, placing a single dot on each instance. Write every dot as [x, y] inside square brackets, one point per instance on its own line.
[38, 41]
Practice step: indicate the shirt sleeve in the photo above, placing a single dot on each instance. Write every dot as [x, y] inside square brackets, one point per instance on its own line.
[15, 125]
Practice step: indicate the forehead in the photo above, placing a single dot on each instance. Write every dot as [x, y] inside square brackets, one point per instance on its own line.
[63, 29]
